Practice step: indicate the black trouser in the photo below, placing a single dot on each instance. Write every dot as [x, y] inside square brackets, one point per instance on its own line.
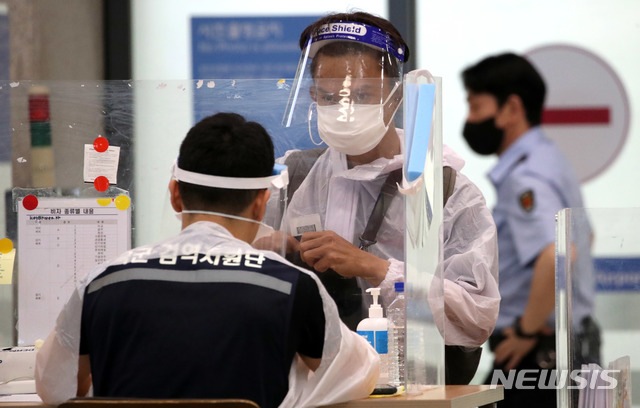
[586, 348]
[525, 398]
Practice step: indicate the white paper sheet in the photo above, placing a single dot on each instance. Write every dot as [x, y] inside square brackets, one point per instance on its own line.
[101, 163]
[59, 242]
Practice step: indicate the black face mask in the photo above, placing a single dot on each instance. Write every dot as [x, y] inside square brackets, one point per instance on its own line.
[483, 137]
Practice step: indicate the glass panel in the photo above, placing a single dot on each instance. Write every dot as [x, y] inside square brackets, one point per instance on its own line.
[5, 165]
[425, 293]
[56, 129]
[613, 286]
[53, 123]
[60, 223]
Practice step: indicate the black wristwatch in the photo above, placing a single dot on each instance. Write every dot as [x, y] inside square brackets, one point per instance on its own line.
[517, 328]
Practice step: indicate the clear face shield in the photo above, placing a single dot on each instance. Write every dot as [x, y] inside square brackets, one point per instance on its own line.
[268, 235]
[347, 87]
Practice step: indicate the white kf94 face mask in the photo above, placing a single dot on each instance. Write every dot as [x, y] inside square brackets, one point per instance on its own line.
[353, 129]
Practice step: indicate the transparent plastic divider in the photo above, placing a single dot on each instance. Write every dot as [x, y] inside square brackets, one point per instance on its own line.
[423, 247]
[563, 289]
[615, 253]
[147, 120]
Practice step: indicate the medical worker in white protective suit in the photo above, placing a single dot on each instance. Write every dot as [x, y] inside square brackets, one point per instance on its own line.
[352, 64]
[204, 314]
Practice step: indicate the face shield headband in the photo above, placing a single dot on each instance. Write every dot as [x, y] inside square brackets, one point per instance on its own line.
[358, 32]
[361, 33]
[279, 179]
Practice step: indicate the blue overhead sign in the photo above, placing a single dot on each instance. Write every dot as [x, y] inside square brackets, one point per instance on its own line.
[246, 47]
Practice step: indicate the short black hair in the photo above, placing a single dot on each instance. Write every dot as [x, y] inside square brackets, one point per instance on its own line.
[224, 144]
[508, 74]
[340, 48]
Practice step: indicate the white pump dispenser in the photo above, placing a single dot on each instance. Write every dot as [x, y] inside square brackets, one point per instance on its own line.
[375, 310]
[374, 329]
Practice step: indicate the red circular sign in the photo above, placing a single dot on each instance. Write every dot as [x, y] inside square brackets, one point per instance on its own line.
[101, 144]
[30, 202]
[101, 183]
[587, 109]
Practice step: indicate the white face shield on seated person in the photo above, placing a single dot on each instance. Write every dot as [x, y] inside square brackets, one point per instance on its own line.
[353, 73]
[268, 236]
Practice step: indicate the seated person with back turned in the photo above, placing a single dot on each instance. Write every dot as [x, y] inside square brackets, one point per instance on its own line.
[203, 314]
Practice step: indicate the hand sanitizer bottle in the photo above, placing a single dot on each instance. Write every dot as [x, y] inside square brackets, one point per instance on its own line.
[374, 329]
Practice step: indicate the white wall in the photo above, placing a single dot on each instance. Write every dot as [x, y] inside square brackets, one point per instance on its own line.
[451, 37]
[162, 33]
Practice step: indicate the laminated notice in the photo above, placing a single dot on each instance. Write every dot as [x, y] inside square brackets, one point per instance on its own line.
[98, 164]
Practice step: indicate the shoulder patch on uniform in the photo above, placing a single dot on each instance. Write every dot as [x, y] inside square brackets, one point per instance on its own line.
[526, 200]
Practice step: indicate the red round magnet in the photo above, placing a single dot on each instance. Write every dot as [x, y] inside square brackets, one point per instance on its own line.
[101, 183]
[30, 202]
[101, 144]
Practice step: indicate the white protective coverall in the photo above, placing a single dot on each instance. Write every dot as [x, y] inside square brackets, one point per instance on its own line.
[344, 199]
[349, 368]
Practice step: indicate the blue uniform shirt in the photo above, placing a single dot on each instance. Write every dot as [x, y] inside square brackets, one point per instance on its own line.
[534, 181]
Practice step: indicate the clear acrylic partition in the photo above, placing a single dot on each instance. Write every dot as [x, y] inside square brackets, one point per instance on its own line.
[613, 285]
[45, 155]
[423, 239]
[47, 133]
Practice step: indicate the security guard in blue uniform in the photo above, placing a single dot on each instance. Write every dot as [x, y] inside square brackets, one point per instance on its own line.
[533, 181]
